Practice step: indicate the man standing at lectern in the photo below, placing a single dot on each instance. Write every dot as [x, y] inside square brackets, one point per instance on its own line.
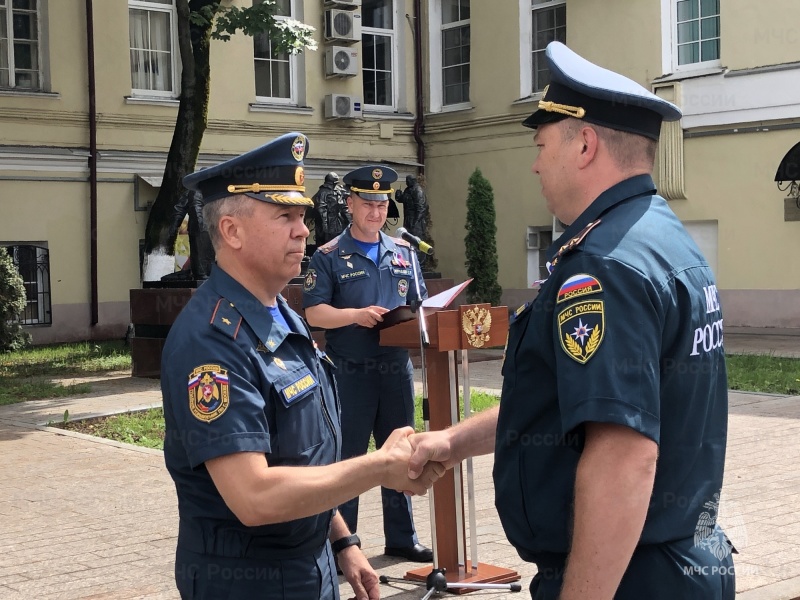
[351, 282]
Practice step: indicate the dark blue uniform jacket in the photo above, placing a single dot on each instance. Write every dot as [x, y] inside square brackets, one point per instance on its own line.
[341, 275]
[628, 330]
[235, 381]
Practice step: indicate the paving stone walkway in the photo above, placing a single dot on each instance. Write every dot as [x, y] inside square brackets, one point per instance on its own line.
[85, 518]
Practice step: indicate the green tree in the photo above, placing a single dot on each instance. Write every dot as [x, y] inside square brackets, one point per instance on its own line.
[480, 243]
[12, 303]
[199, 22]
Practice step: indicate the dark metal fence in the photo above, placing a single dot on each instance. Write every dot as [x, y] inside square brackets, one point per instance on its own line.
[33, 263]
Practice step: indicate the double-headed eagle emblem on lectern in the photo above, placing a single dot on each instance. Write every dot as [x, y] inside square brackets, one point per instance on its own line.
[476, 323]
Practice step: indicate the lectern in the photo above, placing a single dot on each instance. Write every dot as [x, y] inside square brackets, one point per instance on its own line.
[469, 327]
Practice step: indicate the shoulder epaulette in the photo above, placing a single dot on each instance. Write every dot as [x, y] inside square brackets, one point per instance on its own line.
[401, 242]
[330, 246]
[226, 318]
[573, 242]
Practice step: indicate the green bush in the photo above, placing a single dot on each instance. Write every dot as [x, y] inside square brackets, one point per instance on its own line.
[12, 303]
[480, 243]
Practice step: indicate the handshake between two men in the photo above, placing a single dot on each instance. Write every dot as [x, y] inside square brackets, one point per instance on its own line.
[403, 466]
[428, 455]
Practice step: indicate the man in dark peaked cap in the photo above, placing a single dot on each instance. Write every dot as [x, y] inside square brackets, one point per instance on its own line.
[352, 281]
[249, 398]
[611, 432]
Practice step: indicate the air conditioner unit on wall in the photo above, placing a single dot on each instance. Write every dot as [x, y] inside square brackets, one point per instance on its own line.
[341, 61]
[340, 106]
[343, 3]
[533, 239]
[342, 26]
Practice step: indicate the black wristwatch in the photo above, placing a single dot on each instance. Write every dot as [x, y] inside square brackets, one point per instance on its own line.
[345, 542]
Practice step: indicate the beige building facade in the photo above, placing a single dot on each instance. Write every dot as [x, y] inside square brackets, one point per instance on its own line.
[352, 113]
[734, 68]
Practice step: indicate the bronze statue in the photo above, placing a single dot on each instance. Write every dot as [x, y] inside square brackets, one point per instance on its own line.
[201, 252]
[331, 216]
[415, 207]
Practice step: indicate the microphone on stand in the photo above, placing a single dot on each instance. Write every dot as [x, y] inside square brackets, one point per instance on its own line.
[423, 247]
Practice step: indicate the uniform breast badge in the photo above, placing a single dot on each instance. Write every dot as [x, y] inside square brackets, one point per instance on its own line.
[476, 323]
[208, 392]
[399, 261]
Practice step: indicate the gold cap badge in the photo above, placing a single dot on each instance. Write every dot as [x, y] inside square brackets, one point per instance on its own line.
[299, 147]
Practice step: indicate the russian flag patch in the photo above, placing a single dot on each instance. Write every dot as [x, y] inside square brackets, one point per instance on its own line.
[578, 285]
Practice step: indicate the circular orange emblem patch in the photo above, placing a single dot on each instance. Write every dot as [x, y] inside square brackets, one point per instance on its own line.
[299, 176]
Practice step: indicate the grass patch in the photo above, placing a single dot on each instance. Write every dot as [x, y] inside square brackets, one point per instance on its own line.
[146, 428]
[478, 401]
[34, 373]
[36, 389]
[142, 428]
[764, 373]
[64, 360]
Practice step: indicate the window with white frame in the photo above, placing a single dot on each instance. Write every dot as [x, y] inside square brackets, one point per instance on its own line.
[377, 47]
[20, 45]
[275, 71]
[152, 29]
[548, 24]
[697, 33]
[455, 51]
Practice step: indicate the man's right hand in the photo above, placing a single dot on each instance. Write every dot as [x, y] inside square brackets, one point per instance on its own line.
[472, 437]
[369, 316]
[430, 446]
[397, 451]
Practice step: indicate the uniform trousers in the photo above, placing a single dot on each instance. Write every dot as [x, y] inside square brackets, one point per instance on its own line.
[209, 577]
[377, 397]
[668, 571]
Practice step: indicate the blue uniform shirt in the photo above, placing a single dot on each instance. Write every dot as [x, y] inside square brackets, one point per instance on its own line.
[341, 275]
[234, 380]
[627, 329]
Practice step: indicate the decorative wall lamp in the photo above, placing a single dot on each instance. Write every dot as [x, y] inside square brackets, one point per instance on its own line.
[788, 180]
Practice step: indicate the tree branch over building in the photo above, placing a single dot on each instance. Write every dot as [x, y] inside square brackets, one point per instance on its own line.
[198, 23]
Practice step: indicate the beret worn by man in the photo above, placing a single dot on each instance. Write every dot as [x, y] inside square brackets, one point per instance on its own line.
[249, 398]
[611, 432]
[352, 281]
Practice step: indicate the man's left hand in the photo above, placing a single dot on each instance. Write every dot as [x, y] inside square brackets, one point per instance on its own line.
[359, 573]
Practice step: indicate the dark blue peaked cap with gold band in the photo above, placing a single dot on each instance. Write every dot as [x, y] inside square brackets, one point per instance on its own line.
[582, 90]
[371, 183]
[271, 173]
